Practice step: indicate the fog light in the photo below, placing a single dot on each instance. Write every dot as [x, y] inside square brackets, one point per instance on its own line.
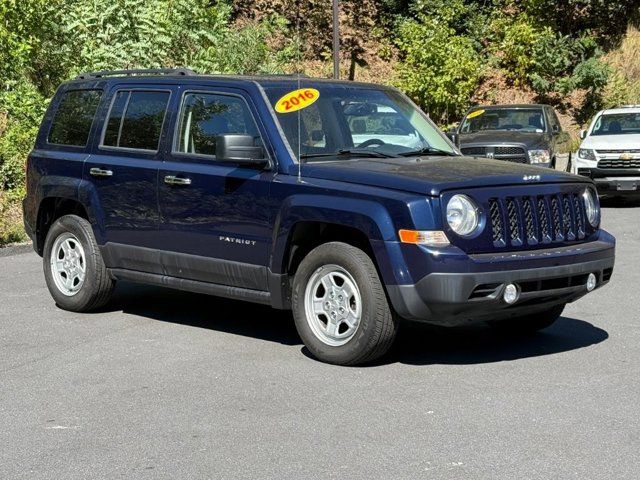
[591, 282]
[510, 294]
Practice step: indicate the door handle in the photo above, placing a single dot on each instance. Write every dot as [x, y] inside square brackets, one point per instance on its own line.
[173, 180]
[100, 172]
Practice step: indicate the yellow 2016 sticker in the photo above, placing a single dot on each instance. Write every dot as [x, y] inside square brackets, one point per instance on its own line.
[475, 114]
[297, 100]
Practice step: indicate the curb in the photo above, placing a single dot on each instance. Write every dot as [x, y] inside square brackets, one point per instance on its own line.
[16, 249]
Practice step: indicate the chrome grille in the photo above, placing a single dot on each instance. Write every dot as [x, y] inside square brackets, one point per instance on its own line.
[619, 163]
[509, 151]
[532, 220]
[474, 150]
[616, 152]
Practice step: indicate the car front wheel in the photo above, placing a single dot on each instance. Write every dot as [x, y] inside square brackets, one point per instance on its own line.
[340, 307]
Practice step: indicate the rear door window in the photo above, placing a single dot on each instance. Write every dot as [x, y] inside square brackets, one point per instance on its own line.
[135, 120]
[72, 121]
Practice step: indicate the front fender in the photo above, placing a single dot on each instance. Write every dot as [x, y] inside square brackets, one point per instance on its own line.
[369, 217]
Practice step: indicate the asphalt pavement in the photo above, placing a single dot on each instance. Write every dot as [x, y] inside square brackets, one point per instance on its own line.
[170, 385]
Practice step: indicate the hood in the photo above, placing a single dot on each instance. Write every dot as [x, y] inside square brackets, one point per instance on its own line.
[612, 142]
[496, 137]
[432, 175]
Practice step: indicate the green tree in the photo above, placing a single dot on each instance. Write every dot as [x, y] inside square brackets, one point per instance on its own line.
[439, 68]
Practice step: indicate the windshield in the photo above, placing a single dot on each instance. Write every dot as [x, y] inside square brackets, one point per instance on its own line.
[617, 124]
[355, 120]
[522, 119]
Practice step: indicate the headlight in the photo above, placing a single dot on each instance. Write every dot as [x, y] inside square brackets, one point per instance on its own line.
[592, 207]
[539, 156]
[462, 215]
[586, 154]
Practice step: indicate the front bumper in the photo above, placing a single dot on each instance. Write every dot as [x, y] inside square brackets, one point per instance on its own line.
[445, 298]
[609, 181]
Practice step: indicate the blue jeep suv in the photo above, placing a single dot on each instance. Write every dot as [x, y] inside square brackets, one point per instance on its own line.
[339, 200]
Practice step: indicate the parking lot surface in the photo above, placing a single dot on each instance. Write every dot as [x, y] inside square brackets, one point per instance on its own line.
[165, 384]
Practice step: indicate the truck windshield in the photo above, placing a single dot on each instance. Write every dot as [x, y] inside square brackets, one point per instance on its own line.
[523, 119]
[617, 124]
[344, 122]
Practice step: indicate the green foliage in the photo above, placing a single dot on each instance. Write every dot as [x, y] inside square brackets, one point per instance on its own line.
[21, 109]
[440, 70]
[11, 229]
[162, 33]
[552, 49]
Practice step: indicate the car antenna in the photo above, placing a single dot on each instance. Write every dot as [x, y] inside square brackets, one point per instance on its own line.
[298, 67]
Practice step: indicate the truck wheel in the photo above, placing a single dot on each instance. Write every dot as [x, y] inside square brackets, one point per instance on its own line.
[73, 267]
[340, 307]
[530, 323]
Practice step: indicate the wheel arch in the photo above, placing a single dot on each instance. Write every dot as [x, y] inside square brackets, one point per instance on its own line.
[49, 210]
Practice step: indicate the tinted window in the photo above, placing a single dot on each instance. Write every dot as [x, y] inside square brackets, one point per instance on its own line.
[204, 116]
[525, 119]
[115, 119]
[72, 122]
[344, 117]
[135, 120]
[617, 124]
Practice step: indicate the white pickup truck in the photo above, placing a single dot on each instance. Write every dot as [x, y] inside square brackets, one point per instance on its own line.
[610, 151]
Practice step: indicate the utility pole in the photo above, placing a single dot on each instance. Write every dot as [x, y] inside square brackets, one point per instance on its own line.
[336, 40]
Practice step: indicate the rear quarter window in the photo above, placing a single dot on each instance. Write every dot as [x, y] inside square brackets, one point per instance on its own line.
[135, 119]
[74, 116]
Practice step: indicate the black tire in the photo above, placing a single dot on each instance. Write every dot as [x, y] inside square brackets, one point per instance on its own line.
[378, 325]
[528, 324]
[98, 286]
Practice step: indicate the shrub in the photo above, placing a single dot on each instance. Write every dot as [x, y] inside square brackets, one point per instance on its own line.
[11, 228]
[439, 69]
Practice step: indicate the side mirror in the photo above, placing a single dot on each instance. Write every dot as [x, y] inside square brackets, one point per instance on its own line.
[453, 136]
[239, 148]
[583, 134]
[555, 128]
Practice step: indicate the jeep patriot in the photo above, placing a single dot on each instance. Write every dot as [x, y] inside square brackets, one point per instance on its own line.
[338, 200]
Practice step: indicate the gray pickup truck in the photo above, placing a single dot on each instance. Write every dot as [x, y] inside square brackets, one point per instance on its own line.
[525, 133]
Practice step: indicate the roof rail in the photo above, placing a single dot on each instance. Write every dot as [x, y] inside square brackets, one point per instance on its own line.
[149, 71]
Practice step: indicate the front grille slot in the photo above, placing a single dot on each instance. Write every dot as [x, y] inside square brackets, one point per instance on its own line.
[533, 220]
[529, 227]
[514, 221]
[555, 215]
[497, 229]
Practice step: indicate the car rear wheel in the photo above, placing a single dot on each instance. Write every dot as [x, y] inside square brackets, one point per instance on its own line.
[529, 323]
[73, 267]
[340, 307]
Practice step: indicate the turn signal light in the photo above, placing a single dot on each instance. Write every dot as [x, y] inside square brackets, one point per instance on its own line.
[433, 238]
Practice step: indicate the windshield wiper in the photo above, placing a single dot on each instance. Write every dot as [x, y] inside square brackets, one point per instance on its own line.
[349, 152]
[428, 151]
